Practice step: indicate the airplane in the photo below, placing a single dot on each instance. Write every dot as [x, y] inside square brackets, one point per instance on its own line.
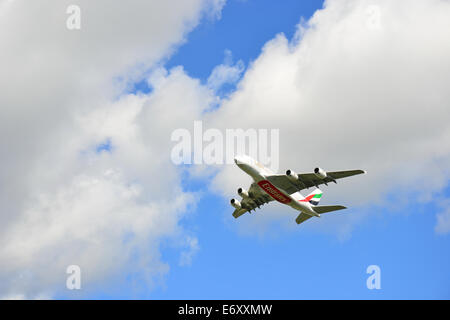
[285, 188]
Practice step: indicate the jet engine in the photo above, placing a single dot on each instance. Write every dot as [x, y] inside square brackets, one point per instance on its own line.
[243, 193]
[236, 204]
[320, 173]
[292, 175]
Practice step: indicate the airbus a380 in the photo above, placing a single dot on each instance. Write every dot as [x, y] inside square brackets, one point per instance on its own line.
[285, 188]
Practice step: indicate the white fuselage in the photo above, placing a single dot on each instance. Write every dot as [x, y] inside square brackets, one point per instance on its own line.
[259, 174]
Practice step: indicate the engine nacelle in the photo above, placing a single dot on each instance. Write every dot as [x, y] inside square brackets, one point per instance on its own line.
[243, 193]
[320, 173]
[292, 175]
[236, 204]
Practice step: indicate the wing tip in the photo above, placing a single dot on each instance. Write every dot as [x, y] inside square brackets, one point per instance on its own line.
[238, 212]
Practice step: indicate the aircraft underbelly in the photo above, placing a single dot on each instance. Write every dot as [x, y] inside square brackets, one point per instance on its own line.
[280, 196]
[274, 192]
[306, 208]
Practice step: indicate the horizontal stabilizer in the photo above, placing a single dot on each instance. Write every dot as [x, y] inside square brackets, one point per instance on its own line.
[302, 217]
[325, 209]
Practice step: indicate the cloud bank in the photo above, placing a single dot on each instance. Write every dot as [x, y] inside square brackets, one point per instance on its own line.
[64, 200]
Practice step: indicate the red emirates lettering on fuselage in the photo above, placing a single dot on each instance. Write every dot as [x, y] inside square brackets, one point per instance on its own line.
[273, 191]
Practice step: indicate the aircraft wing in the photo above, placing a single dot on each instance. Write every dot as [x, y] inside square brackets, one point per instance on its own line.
[239, 212]
[308, 180]
[258, 198]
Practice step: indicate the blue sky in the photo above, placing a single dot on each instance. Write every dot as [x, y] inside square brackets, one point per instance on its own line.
[245, 26]
[414, 260]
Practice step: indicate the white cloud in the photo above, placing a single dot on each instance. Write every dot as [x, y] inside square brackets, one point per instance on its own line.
[61, 202]
[226, 73]
[188, 254]
[96, 222]
[443, 219]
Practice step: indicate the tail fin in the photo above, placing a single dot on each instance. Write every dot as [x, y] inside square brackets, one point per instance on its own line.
[314, 197]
